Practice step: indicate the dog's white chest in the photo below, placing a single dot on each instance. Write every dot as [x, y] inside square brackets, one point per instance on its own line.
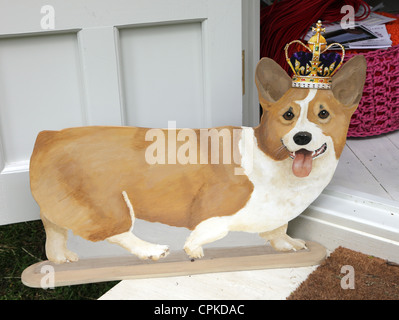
[278, 195]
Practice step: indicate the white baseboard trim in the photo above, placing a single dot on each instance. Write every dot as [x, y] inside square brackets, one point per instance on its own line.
[357, 221]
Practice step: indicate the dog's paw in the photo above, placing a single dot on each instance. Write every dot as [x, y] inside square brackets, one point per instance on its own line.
[287, 243]
[153, 252]
[194, 253]
[71, 256]
[63, 257]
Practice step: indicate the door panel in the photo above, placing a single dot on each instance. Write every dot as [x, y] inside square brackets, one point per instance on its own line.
[163, 75]
[39, 88]
[100, 75]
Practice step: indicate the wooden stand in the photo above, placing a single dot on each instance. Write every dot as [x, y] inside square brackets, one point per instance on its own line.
[175, 264]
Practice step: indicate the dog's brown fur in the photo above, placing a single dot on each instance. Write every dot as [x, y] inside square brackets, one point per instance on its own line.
[78, 175]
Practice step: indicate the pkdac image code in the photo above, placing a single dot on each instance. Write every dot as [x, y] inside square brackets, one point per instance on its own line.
[220, 309]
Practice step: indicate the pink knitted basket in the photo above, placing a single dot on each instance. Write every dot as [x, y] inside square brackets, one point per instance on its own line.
[378, 111]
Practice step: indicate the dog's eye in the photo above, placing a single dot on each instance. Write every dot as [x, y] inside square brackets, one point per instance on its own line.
[323, 114]
[288, 115]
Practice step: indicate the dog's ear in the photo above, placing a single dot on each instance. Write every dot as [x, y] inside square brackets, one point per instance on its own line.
[271, 80]
[348, 82]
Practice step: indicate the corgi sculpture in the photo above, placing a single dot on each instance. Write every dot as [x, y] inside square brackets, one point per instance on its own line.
[96, 180]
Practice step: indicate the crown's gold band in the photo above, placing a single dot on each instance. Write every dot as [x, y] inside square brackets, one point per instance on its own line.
[311, 82]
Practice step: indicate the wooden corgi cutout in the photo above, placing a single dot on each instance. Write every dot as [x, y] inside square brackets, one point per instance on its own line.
[97, 180]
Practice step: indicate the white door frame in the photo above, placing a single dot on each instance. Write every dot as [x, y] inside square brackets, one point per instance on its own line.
[250, 56]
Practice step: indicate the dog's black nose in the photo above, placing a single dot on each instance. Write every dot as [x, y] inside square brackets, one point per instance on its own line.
[302, 138]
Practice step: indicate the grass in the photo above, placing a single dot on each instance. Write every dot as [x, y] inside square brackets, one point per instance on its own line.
[21, 245]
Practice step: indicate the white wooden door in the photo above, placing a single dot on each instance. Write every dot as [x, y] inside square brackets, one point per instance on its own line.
[66, 63]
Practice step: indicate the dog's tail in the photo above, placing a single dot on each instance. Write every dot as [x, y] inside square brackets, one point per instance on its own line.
[129, 205]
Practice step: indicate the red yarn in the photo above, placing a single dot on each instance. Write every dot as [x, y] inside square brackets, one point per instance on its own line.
[289, 20]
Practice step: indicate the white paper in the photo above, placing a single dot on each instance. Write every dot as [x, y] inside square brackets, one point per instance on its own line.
[383, 40]
[375, 19]
[375, 24]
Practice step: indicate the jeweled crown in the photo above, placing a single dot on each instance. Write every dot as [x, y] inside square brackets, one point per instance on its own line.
[314, 68]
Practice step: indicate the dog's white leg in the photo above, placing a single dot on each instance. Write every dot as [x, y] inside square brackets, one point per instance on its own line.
[207, 231]
[141, 248]
[56, 243]
[280, 241]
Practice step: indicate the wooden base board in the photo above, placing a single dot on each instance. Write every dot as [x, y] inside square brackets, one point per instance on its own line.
[175, 264]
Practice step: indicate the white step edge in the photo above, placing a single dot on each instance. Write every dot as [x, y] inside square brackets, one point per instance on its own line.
[351, 219]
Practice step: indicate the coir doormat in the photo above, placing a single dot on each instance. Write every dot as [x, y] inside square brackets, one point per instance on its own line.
[350, 275]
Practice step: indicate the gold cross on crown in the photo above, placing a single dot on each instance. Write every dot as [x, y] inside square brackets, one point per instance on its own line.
[318, 28]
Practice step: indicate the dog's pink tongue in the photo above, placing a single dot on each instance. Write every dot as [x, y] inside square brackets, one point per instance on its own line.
[302, 164]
